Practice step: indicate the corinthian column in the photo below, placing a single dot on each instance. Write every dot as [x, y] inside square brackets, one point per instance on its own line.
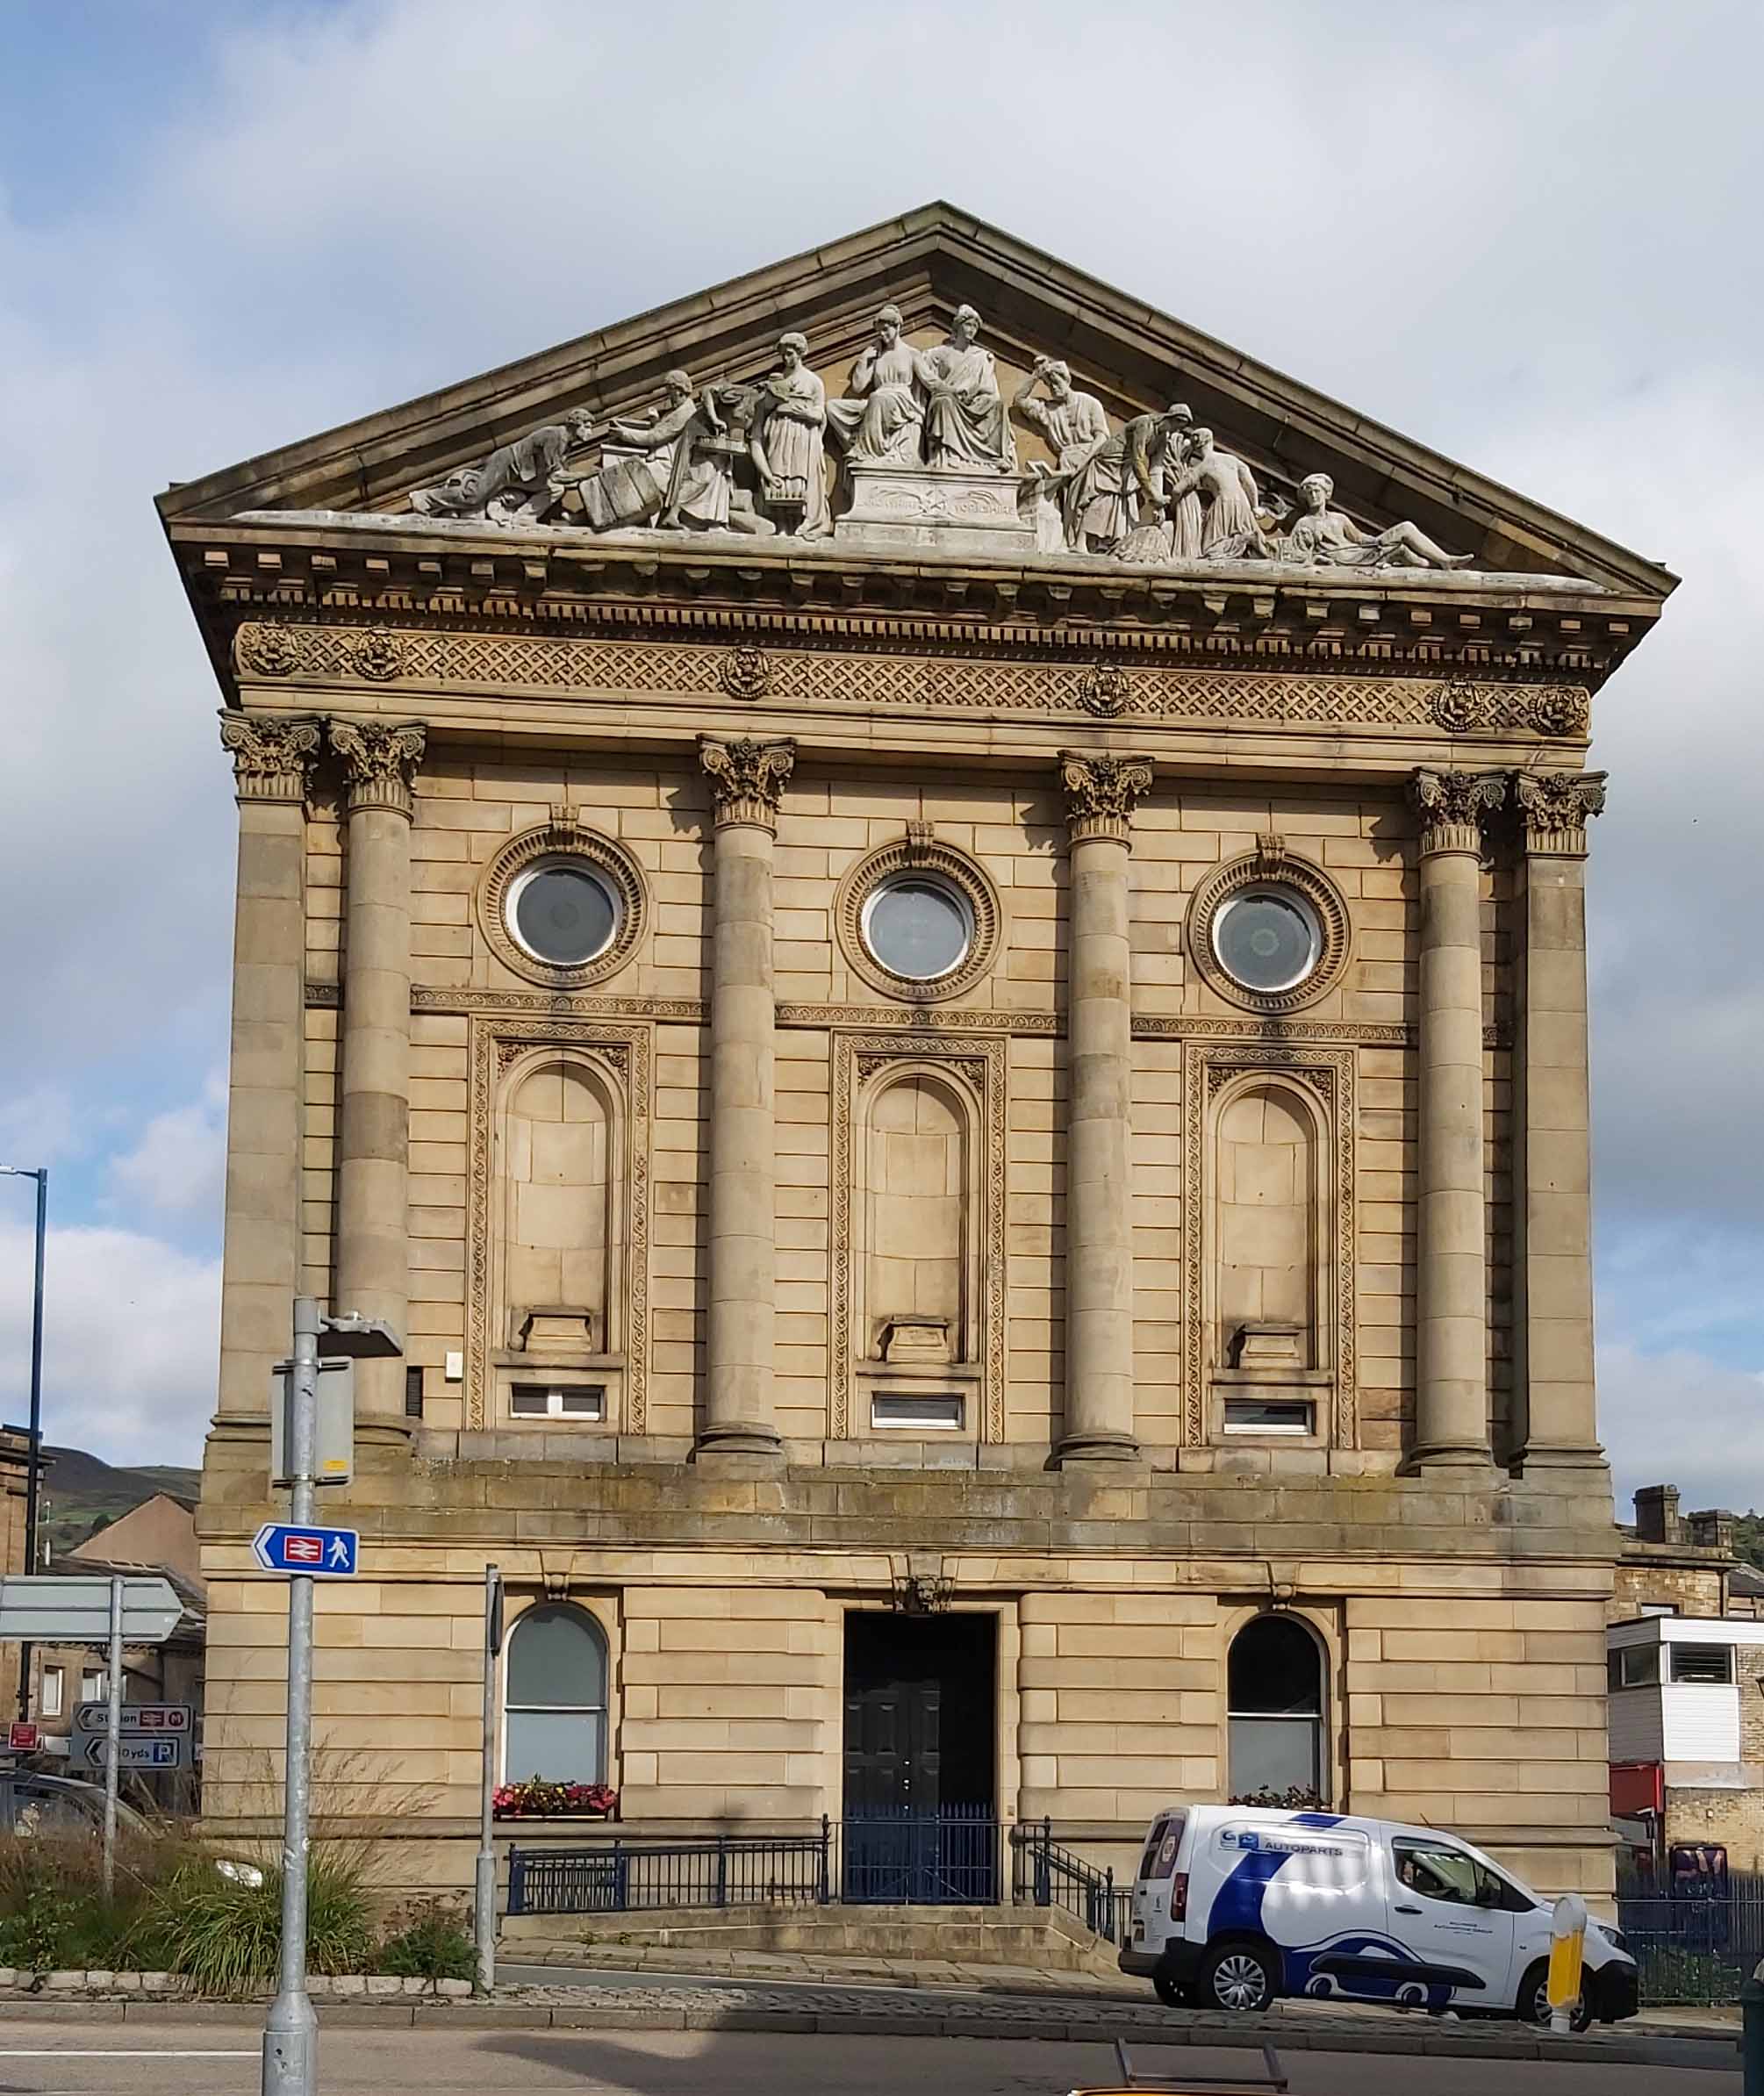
[373, 1133]
[1553, 1224]
[1099, 794]
[272, 766]
[747, 783]
[1451, 1282]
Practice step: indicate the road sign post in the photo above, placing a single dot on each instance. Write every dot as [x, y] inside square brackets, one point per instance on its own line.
[483, 1915]
[114, 1732]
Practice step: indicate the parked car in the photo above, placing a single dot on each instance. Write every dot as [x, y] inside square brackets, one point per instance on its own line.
[44, 1807]
[1235, 1904]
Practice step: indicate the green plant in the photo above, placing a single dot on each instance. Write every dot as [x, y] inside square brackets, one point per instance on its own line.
[227, 1936]
[54, 1912]
[433, 1945]
[35, 1937]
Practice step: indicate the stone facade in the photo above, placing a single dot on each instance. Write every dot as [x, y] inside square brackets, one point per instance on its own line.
[1090, 1284]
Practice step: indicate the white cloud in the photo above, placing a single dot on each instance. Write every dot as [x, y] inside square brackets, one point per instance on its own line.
[1678, 1419]
[179, 1165]
[131, 1338]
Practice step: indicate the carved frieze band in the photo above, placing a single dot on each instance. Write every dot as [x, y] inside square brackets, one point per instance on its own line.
[495, 1044]
[272, 759]
[857, 1059]
[847, 679]
[1554, 808]
[1331, 1076]
[379, 761]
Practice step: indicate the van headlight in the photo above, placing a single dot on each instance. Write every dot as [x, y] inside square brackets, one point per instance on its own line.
[242, 1874]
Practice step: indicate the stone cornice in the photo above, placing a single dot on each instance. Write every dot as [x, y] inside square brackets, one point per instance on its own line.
[1554, 807]
[379, 762]
[1453, 808]
[272, 759]
[1100, 793]
[747, 779]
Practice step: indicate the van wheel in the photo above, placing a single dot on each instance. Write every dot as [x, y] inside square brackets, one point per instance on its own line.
[1238, 1977]
[1533, 2006]
[1170, 1992]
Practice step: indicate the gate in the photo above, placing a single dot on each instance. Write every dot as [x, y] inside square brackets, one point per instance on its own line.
[949, 1857]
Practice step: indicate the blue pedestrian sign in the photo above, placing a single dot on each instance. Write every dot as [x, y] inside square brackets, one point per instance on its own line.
[319, 1553]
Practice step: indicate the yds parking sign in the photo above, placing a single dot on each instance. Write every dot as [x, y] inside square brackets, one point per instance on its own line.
[319, 1553]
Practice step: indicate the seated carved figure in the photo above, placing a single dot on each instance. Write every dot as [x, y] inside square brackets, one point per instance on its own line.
[880, 423]
[520, 482]
[1321, 537]
[966, 427]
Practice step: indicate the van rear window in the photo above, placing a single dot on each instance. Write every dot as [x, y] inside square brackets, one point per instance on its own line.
[1161, 1864]
[1151, 1854]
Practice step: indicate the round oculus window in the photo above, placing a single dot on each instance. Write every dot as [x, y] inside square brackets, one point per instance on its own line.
[1268, 939]
[563, 913]
[918, 927]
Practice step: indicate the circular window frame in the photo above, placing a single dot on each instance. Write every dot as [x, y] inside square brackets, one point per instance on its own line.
[559, 842]
[923, 878]
[1264, 869]
[912, 858]
[562, 862]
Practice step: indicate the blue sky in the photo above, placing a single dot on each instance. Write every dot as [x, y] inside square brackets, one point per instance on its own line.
[1522, 235]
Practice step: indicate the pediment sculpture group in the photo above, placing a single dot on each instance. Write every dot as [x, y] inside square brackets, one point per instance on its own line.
[752, 457]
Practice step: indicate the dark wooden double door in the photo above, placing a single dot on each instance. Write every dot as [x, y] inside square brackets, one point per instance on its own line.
[921, 1813]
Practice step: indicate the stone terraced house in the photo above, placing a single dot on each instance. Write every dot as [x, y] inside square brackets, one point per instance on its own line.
[925, 931]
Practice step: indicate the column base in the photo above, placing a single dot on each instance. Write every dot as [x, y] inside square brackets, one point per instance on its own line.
[1551, 1457]
[1077, 1449]
[1437, 1456]
[737, 1437]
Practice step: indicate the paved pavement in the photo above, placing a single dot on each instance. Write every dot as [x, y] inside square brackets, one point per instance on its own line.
[69, 2058]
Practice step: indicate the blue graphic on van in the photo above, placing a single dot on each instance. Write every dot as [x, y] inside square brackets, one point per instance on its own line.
[1238, 1906]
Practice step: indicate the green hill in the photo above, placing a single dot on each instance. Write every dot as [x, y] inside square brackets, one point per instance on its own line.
[81, 1492]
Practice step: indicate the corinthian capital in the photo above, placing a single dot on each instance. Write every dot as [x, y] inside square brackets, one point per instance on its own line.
[272, 760]
[747, 779]
[379, 761]
[1453, 806]
[1100, 791]
[1554, 807]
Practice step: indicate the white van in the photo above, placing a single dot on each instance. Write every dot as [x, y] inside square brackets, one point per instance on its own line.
[1235, 1904]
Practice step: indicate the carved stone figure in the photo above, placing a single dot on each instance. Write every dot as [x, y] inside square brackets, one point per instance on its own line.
[966, 427]
[1226, 486]
[1150, 449]
[521, 483]
[882, 421]
[1076, 426]
[788, 445]
[1321, 537]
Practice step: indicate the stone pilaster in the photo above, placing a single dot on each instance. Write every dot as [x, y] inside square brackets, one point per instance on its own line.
[1552, 1197]
[1099, 794]
[373, 1133]
[272, 764]
[1451, 1282]
[746, 784]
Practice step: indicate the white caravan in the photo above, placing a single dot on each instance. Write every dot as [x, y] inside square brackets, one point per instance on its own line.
[1235, 1904]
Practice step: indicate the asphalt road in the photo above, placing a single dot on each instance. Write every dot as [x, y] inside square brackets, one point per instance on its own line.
[103, 2059]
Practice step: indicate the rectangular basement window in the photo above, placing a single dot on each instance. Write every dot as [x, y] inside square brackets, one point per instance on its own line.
[1267, 1415]
[557, 1401]
[940, 1414]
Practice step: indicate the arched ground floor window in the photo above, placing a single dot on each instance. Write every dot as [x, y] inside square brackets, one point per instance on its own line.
[1274, 1696]
[555, 1698]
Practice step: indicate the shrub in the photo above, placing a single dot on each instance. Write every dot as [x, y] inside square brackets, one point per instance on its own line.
[54, 1912]
[433, 1945]
[537, 1797]
[227, 1936]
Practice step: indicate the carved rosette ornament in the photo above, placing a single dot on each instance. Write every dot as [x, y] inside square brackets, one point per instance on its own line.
[747, 779]
[379, 762]
[272, 760]
[1558, 709]
[746, 672]
[1100, 793]
[1453, 806]
[1554, 807]
[1104, 689]
[265, 648]
[379, 654]
[1455, 708]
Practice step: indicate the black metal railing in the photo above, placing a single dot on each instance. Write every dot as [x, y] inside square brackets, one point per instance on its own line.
[1043, 1874]
[622, 1876]
[950, 1857]
[1694, 1940]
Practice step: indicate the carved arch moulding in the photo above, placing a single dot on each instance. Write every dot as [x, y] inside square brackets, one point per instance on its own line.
[622, 1056]
[1166, 677]
[1329, 1077]
[860, 1062]
[565, 837]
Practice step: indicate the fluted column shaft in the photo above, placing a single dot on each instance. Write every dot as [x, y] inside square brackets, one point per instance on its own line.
[1552, 1202]
[747, 782]
[1100, 791]
[1452, 1279]
[373, 1125]
[272, 763]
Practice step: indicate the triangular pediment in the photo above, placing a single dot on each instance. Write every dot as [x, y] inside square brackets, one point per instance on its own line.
[1133, 360]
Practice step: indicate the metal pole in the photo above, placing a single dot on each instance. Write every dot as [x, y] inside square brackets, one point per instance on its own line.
[483, 1913]
[32, 1464]
[114, 1730]
[291, 2034]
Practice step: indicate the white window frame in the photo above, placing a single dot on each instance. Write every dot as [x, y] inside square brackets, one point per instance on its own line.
[602, 1710]
[555, 1395]
[54, 1698]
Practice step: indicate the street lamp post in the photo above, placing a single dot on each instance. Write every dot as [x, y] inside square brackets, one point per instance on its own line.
[32, 1465]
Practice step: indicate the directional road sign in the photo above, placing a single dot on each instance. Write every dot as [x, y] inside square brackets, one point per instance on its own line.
[51, 1609]
[320, 1552]
[147, 1720]
[92, 1751]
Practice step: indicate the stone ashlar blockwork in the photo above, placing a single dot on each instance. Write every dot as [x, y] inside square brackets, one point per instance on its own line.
[1152, 1300]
